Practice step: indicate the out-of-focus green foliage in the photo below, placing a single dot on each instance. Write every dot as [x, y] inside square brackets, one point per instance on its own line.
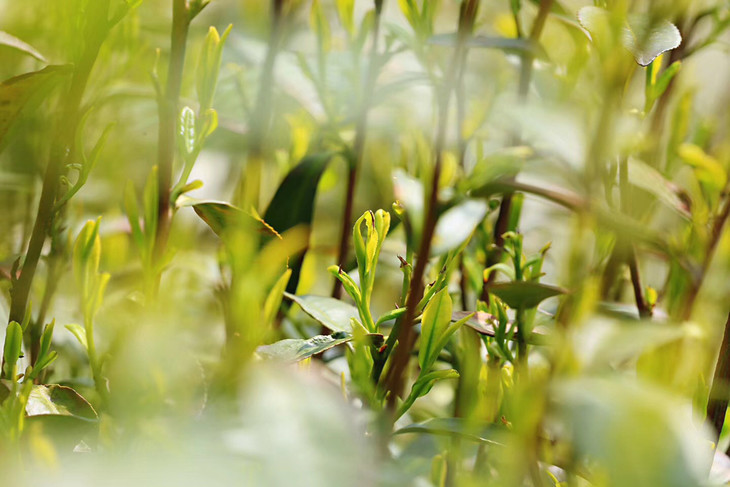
[364, 242]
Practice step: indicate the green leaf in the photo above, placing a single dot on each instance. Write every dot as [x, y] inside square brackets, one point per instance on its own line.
[59, 400]
[221, 216]
[46, 339]
[13, 348]
[296, 349]
[457, 224]
[15, 43]
[293, 203]
[524, 294]
[80, 333]
[16, 93]
[435, 321]
[331, 313]
[463, 428]
[273, 300]
[423, 386]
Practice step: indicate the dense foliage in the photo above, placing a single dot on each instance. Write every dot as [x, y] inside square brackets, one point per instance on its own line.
[364, 242]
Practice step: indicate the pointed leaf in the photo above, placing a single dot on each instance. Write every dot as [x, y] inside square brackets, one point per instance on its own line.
[436, 319]
[331, 313]
[296, 349]
[523, 294]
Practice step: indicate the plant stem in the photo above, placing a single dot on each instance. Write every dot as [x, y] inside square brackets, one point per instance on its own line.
[505, 207]
[168, 113]
[406, 334]
[61, 151]
[358, 150]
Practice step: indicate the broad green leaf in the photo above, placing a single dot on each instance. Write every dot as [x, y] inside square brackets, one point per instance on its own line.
[435, 321]
[457, 224]
[17, 92]
[524, 294]
[222, 216]
[463, 428]
[296, 349]
[293, 203]
[331, 313]
[80, 333]
[59, 400]
[15, 43]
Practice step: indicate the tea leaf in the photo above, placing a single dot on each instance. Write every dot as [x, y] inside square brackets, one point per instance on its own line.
[59, 400]
[524, 294]
[295, 349]
[331, 313]
[436, 319]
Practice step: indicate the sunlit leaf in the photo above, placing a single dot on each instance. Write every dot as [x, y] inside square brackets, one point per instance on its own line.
[295, 349]
[331, 313]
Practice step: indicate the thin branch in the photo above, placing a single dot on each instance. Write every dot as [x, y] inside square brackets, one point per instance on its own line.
[168, 114]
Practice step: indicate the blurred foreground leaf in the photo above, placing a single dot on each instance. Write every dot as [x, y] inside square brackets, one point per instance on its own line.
[17, 92]
[15, 43]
